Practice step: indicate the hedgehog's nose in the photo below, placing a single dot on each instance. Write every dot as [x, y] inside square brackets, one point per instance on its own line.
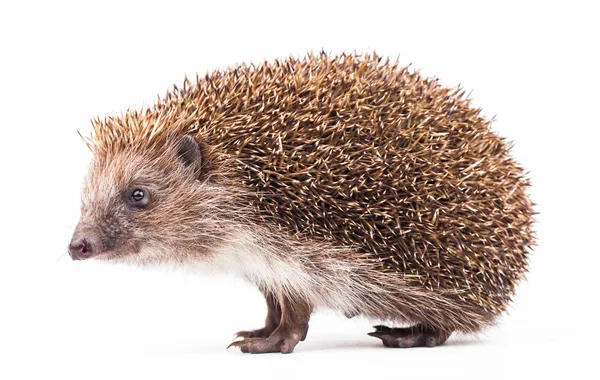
[80, 248]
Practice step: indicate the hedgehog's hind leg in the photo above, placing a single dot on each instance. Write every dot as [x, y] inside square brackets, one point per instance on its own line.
[414, 336]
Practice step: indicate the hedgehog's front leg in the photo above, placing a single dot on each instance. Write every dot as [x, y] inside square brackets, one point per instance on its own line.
[291, 328]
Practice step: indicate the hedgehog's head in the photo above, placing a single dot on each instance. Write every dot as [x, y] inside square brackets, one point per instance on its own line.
[149, 204]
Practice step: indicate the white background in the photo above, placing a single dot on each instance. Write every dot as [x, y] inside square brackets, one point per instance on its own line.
[535, 66]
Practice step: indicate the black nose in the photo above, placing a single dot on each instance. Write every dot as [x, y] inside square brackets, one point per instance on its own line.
[80, 248]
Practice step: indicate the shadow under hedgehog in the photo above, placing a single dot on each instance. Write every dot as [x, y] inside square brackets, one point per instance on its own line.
[344, 182]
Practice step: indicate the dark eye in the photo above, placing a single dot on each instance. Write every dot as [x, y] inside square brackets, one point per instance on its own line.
[138, 197]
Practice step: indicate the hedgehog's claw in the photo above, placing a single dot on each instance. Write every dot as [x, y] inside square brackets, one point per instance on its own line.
[414, 336]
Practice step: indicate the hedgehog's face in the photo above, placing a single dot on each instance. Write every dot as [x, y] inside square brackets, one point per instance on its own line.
[147, 209]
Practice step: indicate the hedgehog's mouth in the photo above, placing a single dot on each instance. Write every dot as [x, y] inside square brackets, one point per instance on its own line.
[124, 252]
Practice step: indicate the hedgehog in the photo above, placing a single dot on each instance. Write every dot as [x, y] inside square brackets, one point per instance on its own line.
[346, 182]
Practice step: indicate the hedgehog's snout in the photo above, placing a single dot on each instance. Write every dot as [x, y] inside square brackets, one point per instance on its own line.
[83, 246]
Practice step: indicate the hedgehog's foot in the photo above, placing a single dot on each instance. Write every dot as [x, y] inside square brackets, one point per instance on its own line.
[286, 325]
[282, 340]
[414, 336]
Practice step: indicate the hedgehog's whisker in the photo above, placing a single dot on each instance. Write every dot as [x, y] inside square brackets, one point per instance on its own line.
[60, 257]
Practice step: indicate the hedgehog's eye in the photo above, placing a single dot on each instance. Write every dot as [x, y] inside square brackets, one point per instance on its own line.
[138, 197]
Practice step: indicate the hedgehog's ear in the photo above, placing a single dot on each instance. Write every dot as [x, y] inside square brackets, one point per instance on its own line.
[189, 152]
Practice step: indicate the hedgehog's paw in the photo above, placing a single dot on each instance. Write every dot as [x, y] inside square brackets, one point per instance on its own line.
[414, 336]
[280, 340]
